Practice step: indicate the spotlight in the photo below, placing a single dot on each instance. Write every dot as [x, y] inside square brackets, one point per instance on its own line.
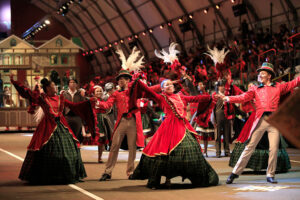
[47, 21]
[206, 11]
[180, 20]
[161, 26]
[150, 30]
[136, 36]
[218, 6]
[191, 16]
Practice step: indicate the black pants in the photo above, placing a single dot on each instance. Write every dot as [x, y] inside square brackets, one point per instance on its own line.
[223, 128]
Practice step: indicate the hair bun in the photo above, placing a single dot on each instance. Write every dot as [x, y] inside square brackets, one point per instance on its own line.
[44, 81]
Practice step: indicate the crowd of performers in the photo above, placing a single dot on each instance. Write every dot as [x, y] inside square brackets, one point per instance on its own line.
[167, 121]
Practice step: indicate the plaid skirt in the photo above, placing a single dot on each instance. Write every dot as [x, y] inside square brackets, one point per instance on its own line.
[259, 158]
[186, 160]
[57, 162]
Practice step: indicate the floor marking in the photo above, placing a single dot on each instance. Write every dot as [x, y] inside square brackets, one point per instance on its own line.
[70, 185]
[13, 155]
[85, 192]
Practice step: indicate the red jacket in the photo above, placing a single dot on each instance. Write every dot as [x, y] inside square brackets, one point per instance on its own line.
[121, 99]
[266, 97]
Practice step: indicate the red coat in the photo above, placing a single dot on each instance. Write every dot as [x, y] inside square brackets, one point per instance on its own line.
[53, 107]
[121, 99]
[173, 128]
[266, 98]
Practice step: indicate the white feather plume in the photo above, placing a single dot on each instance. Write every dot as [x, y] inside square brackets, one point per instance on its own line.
[132, 63]
[168, 57]
[38, 115]
[216, 55]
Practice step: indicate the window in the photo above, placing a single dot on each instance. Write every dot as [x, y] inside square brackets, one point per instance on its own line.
[58, 43]
[64, 59]
[7, 60]
[18, 60]
[13, 43]
[53, 60]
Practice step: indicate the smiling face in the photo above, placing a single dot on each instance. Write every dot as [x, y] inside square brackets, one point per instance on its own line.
[98, 92]
[264, 77]
[168, 87]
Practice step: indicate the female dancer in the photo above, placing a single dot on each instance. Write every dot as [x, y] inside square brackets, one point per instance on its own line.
[104, 124]
[53, 156]
[174, 149]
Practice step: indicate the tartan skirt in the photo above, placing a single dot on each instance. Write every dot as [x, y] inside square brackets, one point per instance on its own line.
[186, 160]
[259, 158]
[57, 162]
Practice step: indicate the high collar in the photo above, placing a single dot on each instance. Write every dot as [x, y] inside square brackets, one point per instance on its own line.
[262, 85]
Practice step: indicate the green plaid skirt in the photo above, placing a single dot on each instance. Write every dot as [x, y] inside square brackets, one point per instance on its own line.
[186, 160]
[57, 162]
[259, 158]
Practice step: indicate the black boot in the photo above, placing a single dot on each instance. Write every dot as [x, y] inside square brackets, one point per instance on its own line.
[231, 178]
[105, 177]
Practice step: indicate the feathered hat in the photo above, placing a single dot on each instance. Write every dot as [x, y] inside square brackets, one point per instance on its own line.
[170, 57]
[131, 64]
[218, 57]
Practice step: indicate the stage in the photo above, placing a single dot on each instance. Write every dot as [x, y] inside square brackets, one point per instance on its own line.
[249, 186]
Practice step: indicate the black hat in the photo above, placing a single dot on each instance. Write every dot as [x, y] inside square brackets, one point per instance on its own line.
[123, 73]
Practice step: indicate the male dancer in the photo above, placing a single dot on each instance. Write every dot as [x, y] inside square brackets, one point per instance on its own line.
[266, 96]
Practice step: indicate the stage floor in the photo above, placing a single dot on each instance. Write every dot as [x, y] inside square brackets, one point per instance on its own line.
[248, 186]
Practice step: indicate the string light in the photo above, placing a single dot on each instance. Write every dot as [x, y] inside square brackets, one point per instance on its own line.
[144, 33]
[190, 16]
[206, 11]
[218, 6]
[180, 20]
[169, 24]
[136, 36]
[161, 26]
[150, 30]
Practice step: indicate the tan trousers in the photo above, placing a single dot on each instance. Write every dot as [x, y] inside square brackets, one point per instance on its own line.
[273, 136]
[126, 127]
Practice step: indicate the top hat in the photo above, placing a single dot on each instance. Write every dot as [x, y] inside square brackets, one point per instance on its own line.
[268, 67]
[123, 73]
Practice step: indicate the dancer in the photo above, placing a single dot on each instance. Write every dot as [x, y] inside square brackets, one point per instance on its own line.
[104, 124]
[266, 97]
[259, 158]
[128, 124]
[173, 150]
[74, 121]
[53, 156]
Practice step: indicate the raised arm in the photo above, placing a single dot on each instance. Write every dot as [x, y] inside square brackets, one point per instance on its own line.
[197, 99]
[25, 92]
[287, 87]
[106, 105]
[84, 110]
[242, 98]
